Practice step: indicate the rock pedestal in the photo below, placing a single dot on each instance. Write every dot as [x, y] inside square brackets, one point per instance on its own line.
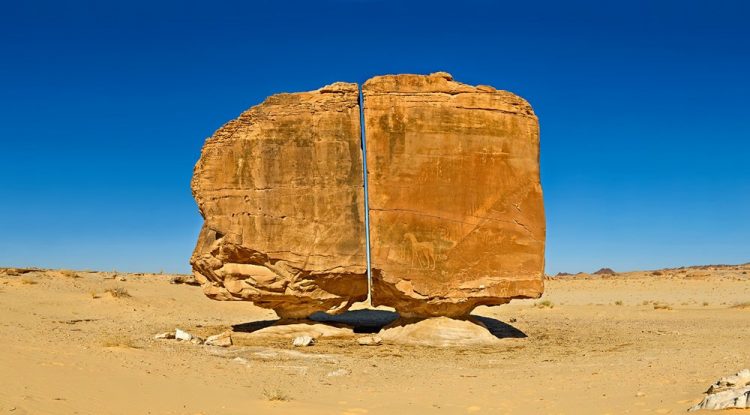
[281, 192]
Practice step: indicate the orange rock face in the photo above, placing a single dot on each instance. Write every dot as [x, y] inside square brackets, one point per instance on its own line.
[281, 192]
[456, 211]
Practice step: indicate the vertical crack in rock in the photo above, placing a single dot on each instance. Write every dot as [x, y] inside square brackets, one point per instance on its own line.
[455, 201]
[281, 191]
[429, 202]
[367, 198]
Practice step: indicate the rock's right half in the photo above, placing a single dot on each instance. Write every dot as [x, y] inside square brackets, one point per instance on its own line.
[456, 209]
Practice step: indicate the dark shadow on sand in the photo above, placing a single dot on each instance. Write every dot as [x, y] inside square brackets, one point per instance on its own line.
[372, 321]
[253, 326]
[362, 321]
[499, 329]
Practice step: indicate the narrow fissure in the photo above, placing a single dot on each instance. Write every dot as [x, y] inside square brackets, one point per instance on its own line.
[367, 197]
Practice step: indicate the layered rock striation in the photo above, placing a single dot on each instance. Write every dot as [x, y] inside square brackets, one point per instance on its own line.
[281, 192]
[456, 211]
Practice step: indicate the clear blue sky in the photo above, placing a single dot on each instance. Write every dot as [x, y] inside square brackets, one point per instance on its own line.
[644, 109]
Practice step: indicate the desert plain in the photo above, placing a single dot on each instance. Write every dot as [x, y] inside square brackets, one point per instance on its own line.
[646, 342]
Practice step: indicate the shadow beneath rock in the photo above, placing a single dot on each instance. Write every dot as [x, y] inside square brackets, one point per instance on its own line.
[499, 329]
[253, 326]
[362, 321]
[372, 321]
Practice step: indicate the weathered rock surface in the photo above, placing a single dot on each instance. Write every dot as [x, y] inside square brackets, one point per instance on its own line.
[309, 329]
[222, 339]
[369, 340]
[439, 332]
[728, 392]
[456, 211]
[281, 192]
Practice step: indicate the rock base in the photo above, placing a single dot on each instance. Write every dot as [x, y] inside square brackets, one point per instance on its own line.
[312, 329]
[438, 332]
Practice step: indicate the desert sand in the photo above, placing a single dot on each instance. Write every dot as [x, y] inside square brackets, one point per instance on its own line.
[77, 342]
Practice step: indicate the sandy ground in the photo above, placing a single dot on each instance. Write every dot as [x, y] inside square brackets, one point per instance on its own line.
[633, 343]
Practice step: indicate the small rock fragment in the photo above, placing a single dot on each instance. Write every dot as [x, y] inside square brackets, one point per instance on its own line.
[196, 340]
[182, 335]
[370, 341]
[303, 341]
[184, 279]
[165, 336]
[223, 339]
[338, 372]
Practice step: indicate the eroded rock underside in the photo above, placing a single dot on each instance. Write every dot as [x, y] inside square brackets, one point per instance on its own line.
[456, 211]
[281, 192]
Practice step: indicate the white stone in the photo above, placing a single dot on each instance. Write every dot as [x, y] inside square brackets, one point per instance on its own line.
[728, 392]
[182, 335]
[302, 341]
[738, 380]
[733, 398]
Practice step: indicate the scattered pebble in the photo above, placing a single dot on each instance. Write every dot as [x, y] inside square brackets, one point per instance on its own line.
[370, 341]
[182, 335]
[303, 341]
[223, 339]
[165, 336]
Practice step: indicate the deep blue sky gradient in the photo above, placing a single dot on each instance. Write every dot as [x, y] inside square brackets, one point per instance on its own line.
[644, 109]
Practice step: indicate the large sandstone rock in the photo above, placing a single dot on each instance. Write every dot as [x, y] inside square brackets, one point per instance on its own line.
[281, 192]
[456, 210]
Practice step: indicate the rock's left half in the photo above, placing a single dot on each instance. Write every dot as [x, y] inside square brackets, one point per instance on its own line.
[281, 191]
